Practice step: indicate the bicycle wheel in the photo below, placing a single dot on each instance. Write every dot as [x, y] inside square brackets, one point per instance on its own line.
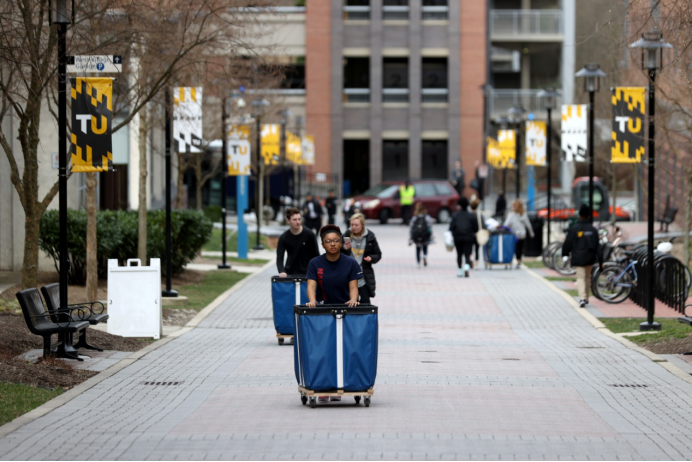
[548, 252]
[612, 285]
[563, 267]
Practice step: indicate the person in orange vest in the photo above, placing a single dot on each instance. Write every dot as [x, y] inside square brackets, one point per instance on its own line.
[407, 194]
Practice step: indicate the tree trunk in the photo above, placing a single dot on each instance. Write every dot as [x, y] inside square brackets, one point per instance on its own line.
[92, 275]
[142, 212]
[182, 167]
[31, 236]
[198, 183]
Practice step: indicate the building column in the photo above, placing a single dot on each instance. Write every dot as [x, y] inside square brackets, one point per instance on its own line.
[567, 169]
[376, 44]
[337, 78]
[415, 65]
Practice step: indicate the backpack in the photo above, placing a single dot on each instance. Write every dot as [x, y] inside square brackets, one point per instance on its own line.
[420, 233]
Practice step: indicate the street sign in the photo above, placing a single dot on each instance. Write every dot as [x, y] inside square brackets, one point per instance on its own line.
[97, 64]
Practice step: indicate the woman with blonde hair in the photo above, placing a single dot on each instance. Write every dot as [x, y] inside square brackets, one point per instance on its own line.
[519, 223]
[361, 244]
[420, 232]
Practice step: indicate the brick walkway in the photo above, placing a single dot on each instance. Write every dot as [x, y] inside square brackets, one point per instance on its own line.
[497, 366]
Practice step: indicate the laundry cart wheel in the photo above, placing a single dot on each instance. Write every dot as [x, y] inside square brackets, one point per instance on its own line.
[304, 399]
[281, 341]
[313, 402]
[367, 401]
[357, 398]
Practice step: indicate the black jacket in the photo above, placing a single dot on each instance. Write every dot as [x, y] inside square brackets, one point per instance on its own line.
[582, 243]
[464, 225]
[372, 250]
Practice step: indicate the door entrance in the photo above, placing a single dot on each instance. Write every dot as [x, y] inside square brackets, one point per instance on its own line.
[356, 167]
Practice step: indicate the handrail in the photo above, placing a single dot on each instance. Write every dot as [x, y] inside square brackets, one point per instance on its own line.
[522, 22]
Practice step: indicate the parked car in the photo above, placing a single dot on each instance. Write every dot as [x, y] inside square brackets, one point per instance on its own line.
[381, 202]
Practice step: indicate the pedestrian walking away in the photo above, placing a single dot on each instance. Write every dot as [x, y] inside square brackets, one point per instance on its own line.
[420, 233]
[407, 194]
[330, 205]
[500, 206]
[458, 178]
[582, 245]
[464, 227]
[361, 244]
[333, 278]
[482, 235]
[312, 211]
[519, 223]
[299, 243]
[478, 183]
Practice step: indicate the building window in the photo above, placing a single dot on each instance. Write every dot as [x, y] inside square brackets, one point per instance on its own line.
[394, 160]
[357, 10]
[357, 80]
[294, 75]
[395, 10]
[395, 80]
[356, 167]
[434, 161]
[435, 10]
[434, 80]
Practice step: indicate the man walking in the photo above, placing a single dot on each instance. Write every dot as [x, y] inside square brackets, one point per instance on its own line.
[312, 211]
[407, 193]
[458, 178]
[330, 205]
[299, 243]
[582, 244]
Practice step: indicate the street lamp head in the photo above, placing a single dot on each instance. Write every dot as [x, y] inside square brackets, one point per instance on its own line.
[60, 12]
[241, 103]
[652, 45]
[549, 97]
[516, 114]
[258, 106]
[501, 121]
[592, 73]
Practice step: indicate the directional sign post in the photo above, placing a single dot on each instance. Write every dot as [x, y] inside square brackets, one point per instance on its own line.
[97, 64]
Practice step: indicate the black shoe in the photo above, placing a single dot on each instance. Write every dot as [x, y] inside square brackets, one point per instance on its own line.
[582, 303]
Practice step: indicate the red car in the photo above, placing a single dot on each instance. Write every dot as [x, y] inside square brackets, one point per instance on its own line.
[382, 201]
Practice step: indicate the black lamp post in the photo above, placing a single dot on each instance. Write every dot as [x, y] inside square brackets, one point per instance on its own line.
[652, 45]
[300, 121]
[61, 14]
[169, 292]
[285, 114]
[258, 107]
[516, 116]
[592, 73]
[549, 97]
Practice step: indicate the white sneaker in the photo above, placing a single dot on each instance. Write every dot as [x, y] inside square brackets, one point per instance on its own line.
[466, 269]
[460, 273]
[582, 303]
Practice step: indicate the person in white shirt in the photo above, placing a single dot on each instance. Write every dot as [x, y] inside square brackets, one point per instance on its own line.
[519, 223]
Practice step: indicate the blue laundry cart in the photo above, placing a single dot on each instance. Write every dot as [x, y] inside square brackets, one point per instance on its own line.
[500, 249]
[335, 351]
[286, 293]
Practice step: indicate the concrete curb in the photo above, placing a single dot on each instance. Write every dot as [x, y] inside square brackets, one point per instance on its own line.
[69, 395]
[670, 367]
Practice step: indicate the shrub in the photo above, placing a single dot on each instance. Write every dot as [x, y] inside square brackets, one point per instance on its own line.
[117, 235]
[213, 212]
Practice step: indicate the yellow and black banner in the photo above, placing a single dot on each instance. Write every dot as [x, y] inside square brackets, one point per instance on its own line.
[92, 124]
[628, 125]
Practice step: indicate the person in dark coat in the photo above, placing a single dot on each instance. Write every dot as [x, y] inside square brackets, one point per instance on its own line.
[330, 205]
[361, 244]
[312, 214]
[582, 244]
[500, 205]
[464, 227]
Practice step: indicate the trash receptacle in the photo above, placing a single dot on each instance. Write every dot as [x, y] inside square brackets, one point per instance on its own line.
[534, 245]
[286, 293]
[335, 350]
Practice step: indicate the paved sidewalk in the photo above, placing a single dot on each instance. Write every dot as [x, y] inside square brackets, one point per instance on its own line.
[495, 366]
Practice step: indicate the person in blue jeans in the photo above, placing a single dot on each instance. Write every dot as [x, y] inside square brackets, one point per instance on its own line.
[332, 277]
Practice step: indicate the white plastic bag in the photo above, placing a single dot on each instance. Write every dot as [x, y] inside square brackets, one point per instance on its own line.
[491, 224]
[449, 241]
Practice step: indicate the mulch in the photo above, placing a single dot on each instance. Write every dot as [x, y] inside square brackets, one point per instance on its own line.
[676, 346]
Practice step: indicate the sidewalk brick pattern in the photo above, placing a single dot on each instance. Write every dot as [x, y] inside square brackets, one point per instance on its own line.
[497, 366]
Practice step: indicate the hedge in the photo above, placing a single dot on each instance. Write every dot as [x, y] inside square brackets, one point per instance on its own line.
[117, 236]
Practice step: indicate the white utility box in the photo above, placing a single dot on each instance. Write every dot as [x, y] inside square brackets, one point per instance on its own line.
[134, 299]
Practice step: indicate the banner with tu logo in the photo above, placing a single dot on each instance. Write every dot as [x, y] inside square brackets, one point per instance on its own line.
[308, 145]
[535, 143]
[187, 119]
[507, 144]
[574, 132]
[92, 124]
[271, 144]
[628, 125]
[239, 151]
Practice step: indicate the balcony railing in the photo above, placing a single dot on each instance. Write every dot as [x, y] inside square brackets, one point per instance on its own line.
[500, 101]
[277, 91]
[526, 22]
[395, 12]
[435, 13]
[356, 13]
[395, 95]
[356, 95]
[434, 95]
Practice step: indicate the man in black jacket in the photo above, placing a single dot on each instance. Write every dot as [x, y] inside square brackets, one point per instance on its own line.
[582, 244]
[312, 211]
[299, 243]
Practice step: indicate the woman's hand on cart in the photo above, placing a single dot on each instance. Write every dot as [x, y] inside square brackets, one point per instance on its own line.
[352, 303]
[282, 275]
[311, 304]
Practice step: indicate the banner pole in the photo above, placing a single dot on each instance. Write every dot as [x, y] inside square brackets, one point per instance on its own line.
[169, 292]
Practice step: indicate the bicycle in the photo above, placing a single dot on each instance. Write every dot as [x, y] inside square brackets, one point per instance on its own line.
[613, 284]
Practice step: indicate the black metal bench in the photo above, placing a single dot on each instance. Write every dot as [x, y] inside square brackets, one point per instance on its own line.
[45, 324]
[668, 216]
[686, 320]
[51, 293]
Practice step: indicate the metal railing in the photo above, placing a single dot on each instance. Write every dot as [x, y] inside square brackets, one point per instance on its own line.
[395, 12]
[356, 95]
[356, 13]
[277, 91]
[672, 280]
[395, 95]
[500, 101]
[434, 95]
[435, 13]
[530, 22]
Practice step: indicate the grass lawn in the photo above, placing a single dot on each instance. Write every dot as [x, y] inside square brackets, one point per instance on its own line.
[16, 399]
[560, 278]
[214, 243]
[670, 329]
[212, 285]
[533, 264]
[572, 292]
[249, 261]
